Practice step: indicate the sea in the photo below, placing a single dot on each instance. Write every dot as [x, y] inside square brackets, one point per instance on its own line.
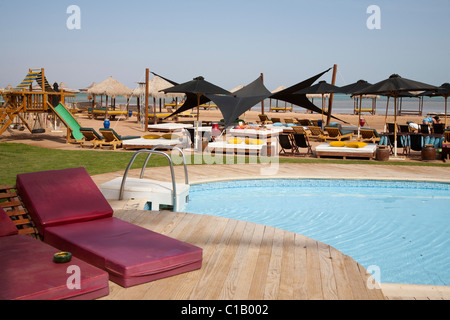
[342, 104]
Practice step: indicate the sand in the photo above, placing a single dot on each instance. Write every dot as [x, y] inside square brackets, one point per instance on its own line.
[56, 139]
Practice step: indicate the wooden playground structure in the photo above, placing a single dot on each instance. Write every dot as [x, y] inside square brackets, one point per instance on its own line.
[27, 108]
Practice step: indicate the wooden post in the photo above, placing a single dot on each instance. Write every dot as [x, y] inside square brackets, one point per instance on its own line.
[262, 102]
[330, 102]
[147, 75]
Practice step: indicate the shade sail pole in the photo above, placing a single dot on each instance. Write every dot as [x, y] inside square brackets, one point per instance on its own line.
[147, 75]
[385, 117]
[262, 102]
[330, 101]
[395, 126]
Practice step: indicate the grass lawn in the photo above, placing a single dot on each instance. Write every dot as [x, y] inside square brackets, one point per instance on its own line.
[18, 158]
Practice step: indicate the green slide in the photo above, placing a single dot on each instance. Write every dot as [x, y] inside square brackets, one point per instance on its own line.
[67, 117]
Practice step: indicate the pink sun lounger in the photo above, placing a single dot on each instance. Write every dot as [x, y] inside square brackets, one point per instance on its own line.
[27, 270]
[71, 214]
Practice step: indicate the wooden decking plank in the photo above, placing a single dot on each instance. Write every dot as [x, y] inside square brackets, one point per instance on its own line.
[287, 274]
[274, 270]
[175, 287]
[300, 268]
[257, 287]
[181, 286]
[359, 289]
[249, 265]
[373, 288]
[216, 267]
[328, 276]
[314, 276]
[231, 282]
[344, 290]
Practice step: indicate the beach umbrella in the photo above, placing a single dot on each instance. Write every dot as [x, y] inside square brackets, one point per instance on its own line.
[198, 87]
[442, 91]
[232, 107]
[393, 87]
[354, 87]
[88, 87]
[62, 86]
[110, 87]
[322, 88]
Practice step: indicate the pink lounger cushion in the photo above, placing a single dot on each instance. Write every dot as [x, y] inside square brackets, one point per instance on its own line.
[27, 272]
[7, 227]
[131, 254]
[60, 197]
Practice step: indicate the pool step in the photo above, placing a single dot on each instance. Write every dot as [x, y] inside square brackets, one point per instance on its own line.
[158, 195]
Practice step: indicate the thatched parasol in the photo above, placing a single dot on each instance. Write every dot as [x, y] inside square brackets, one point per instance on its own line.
[110, 88]
[63, 86]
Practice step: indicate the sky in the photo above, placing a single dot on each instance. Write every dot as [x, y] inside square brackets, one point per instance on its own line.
[230, 43]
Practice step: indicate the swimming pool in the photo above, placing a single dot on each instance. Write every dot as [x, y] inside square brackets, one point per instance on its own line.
[401, 227]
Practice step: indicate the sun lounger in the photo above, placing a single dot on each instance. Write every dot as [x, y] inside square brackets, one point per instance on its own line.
[71, 214]
[29, 273]
[112, 138]
[317, 133]
[264, 119]
[368, 135]
[334, 133]
[92, 136]
[325, 149]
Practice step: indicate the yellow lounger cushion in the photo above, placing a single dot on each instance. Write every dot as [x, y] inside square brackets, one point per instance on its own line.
[356, 144]
[234, 141]
[152, 136]
[170, 136]
[255, 142]
[338, 144]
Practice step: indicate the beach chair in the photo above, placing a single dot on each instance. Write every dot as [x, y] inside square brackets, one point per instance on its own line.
[404, 128]
[275, 120]
[288, 120]
[438, 128]
[71, 214]
[304, 122]
[91, 136]
[264, 119]
[287, 148]
[334, 133]
[402, 142]
[415, 142]
[29, 273]
[424, 129]
[112, 138]
[317, 133]
[447, 136]
[391, 127]
[301, 141]
[369, 135]
[299, 130]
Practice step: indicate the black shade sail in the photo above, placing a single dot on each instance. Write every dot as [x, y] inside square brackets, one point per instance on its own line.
[195, 91]
[290, 94]
[244, 99]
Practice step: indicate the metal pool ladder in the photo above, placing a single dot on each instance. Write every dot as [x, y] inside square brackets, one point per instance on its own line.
[154, 151]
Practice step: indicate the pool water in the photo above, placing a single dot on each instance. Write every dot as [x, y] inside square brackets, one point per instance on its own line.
[401, 228]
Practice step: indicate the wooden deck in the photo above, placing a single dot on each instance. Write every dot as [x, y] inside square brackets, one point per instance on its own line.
[249, 261]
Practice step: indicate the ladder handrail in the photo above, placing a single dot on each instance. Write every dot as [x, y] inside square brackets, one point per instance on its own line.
[122, 186]
[166, 147]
